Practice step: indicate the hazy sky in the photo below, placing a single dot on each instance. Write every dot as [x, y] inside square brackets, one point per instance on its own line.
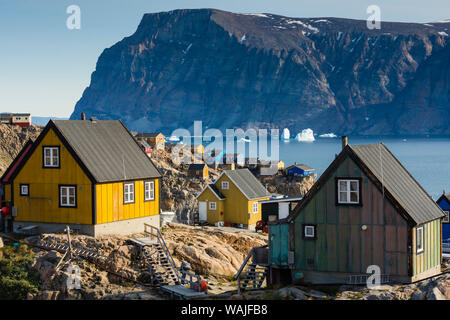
[44, 66]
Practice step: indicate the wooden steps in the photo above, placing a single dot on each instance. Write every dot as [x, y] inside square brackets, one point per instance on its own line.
[162, 271]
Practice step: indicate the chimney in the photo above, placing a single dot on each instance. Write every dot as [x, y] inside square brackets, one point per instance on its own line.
[344, 142]
[83, 116]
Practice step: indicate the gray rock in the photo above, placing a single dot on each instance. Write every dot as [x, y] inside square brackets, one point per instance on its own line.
[418, 295]
[435, 294]
[283, 293]
[298, 294]
[316, 294]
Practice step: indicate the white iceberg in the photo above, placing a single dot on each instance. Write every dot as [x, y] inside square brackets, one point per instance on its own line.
[307, 135]
[328, 135]
[286, 134]
[173, 138]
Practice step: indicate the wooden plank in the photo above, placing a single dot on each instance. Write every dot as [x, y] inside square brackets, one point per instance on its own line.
[343, 247]
[321, 248]
[378, 246]
[355, 250]
[366, 248]
[182, 291]
[332, 247]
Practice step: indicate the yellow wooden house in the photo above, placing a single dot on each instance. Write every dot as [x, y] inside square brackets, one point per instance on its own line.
[155, 139]
[232, 199]
[199, 170]
[89, 174]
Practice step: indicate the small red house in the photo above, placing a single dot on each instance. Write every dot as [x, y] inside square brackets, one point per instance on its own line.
[5, 185]
[146, 147]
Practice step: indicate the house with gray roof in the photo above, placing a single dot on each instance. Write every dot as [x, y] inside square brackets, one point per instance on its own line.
[232, 200]
[366, 212]
[89, 174]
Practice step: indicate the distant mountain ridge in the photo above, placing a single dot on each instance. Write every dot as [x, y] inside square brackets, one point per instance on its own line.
[269, 71]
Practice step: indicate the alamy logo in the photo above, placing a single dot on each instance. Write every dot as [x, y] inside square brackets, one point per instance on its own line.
[374, 20]
[73, 280]
[74, 20]
[374, 280]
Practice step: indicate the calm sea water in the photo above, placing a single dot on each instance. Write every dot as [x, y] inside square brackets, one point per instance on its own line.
[427, 159]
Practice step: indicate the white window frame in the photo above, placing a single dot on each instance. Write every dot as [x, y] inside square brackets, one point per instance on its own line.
[348, 191]
[128, 192]
[309, 236]
[24, 187]
[419, 248]
[225, 185]
[255, 207]
[67, 196]
[53, 151]
[149, 190]
[446, 218]
[212, 205]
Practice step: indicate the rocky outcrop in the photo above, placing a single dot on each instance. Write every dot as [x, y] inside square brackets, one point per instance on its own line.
[210, 251]
[12, 139]
[289, 186]
[263, 70]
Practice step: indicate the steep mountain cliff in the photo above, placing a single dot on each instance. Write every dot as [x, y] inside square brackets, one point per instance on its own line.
[268, 71]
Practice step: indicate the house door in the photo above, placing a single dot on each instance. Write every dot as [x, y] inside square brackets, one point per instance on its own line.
[283, 210]
[202, 211]
[279, 244]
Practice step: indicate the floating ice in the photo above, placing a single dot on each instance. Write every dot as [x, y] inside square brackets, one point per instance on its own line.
[328, 135]
[286, 134]
[307, 135]
[173, 138]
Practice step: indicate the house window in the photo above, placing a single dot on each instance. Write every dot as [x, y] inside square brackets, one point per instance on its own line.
[225, 185]
[149, 190]
[212, 206]
[255, 207]
[446, 217]
[309, 231]
[128, 193]
[348, 191]
[419, 239]
[68, 196]
[51, 157]
[24, 189]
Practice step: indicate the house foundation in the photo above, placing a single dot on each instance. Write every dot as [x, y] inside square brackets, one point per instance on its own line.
[124, 227]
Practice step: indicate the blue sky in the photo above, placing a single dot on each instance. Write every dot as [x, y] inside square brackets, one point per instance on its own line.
[44, 66]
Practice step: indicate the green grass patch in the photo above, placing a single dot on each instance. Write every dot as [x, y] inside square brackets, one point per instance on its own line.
[17, 277]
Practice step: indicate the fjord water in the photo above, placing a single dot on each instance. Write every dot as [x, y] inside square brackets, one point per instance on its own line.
[427, 159]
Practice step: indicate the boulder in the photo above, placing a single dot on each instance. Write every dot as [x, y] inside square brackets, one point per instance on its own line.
[435, 294]
[298, 294]
[316, 294]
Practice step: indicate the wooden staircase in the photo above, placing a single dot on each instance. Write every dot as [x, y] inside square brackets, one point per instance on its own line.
[251, 276]
[162, 271]
[157, 259]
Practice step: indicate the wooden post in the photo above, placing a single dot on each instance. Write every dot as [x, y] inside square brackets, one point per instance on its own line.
[69, 244]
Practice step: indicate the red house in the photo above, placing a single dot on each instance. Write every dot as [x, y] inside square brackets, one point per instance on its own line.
[6, 189]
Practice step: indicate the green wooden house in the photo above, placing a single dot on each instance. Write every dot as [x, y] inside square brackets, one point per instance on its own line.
[366, 209]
